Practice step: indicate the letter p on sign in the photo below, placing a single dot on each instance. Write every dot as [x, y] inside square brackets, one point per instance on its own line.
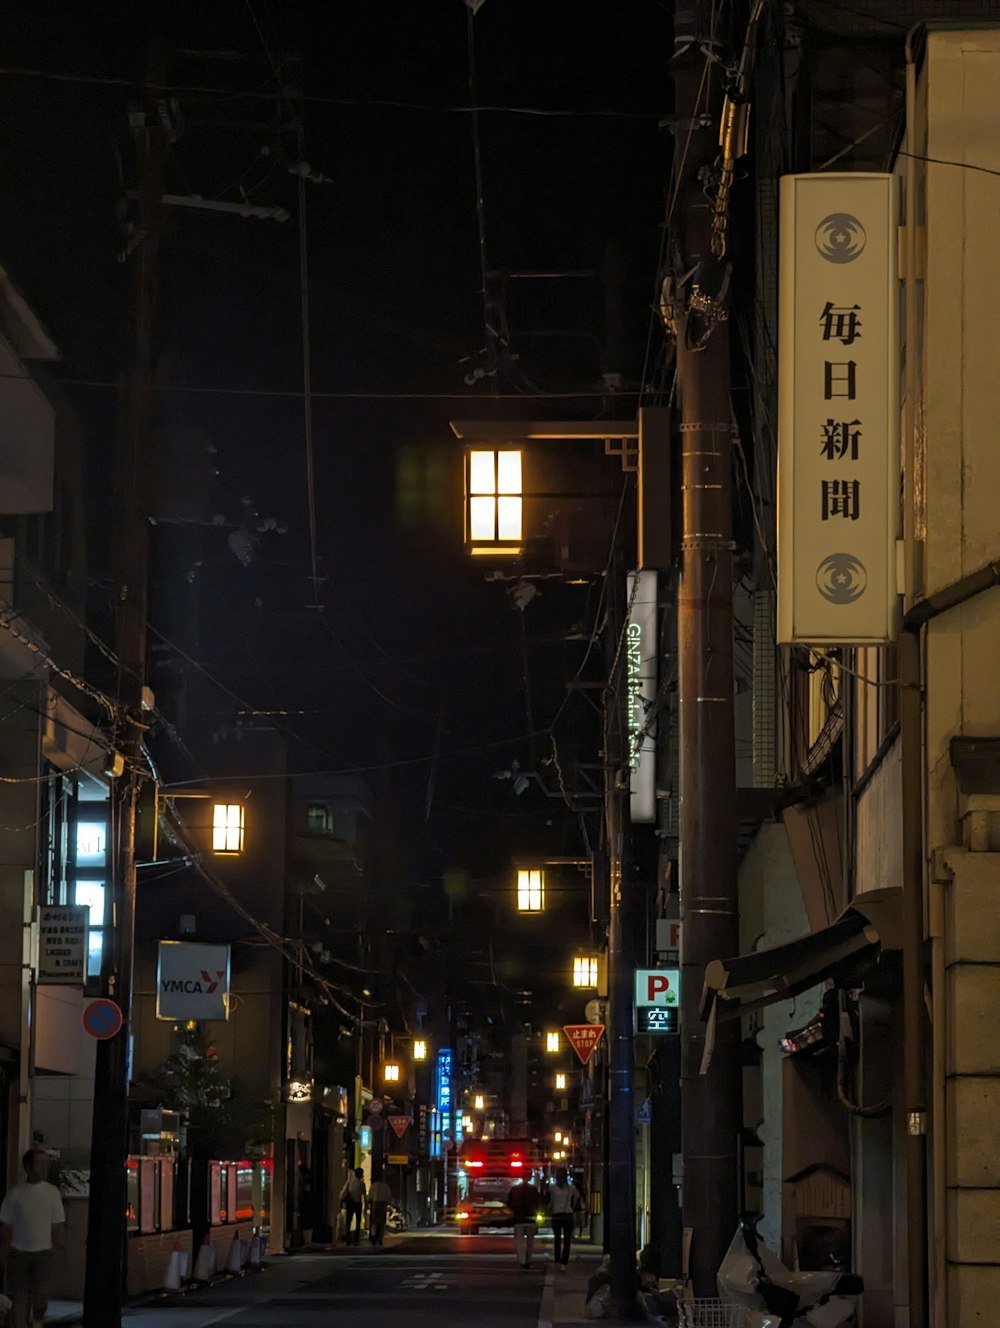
[657, 984]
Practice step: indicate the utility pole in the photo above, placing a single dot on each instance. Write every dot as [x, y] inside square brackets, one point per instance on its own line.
[109, 1143]
[711, 1103]
[619, 1185]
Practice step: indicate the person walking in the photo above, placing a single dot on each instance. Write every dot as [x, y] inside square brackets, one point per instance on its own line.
[563, 1202]
[32, 1223]
[524, 1201]
[378, 1207]
[352, 1196]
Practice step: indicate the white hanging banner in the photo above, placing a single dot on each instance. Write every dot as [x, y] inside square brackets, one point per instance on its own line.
[838, 408]
[641, 663]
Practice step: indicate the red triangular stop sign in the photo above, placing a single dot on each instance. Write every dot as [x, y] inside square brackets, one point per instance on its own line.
[399, 1124]
[584, 1038]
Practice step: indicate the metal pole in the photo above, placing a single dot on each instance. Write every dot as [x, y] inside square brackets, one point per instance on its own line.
[109, 1143]
[711, 1102]
[620, 1179]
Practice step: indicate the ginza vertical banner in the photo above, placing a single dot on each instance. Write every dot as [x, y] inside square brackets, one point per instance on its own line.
[641, 662]
[838, 410]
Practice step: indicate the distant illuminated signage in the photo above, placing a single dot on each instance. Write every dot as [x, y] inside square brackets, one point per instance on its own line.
[641, 670]
[658, 1019]
[657, 986]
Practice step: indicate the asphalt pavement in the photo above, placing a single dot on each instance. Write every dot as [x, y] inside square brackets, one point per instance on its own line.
[421, 1279]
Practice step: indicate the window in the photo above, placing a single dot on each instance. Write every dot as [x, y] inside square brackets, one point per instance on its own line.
[318, 819]
[91, 842]
[90, 894]
[495, 501]
[227, 827]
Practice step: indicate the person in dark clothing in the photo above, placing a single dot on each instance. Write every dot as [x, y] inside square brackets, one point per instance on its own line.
[524, 1202]
[352, 1196]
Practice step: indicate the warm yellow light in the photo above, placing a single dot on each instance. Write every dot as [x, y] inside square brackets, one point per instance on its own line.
[509, 518]
[530, 890]
[467, 1122]
[494, 496]
[419, 1049]
[391, 1073]
[227, 827]
[585, 971]
[551, 1041]
[479, 1102]
[560, 1081]
[482, 472]
[509, 473]
[557, 1137]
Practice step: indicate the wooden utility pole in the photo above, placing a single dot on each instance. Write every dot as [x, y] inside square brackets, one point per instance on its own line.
[711, 1102]
[109, 1142]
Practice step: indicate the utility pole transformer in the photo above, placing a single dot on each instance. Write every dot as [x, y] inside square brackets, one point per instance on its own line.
[711, 1102]
[106, 1232]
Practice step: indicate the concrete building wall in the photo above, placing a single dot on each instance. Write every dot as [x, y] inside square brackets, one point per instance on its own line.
[771, 913]
[957, 446]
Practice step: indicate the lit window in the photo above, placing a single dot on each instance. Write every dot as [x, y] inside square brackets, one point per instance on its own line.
[560, 1082]
[227, 827]
[551, 1041]
[91, 840]
[479, 1102]
[391, 1073]
[319, 820]
[419, 1049]
[530, 891]
[585, 971]
[495, 500]
[90, 894]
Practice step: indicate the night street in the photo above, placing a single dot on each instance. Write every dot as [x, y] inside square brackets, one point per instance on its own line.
[421, 1281]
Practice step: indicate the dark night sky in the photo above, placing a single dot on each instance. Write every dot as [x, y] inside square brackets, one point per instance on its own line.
[396, 308]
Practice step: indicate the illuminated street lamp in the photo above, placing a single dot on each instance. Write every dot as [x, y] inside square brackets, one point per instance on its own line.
[419, 1049]
[479, 1102]
[227, 827]
[494, 517]
[391, 1072]
[557, 1137]
[530, 890]
[560, 1082]
[585, 970]
[551, 1041]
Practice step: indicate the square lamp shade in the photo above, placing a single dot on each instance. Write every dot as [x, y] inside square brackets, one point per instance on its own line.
[530, 890]
[227, 827]
[585, 971]
[494, 502]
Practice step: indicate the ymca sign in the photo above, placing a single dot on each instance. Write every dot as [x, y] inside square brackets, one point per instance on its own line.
[192, 981]
[659, 987]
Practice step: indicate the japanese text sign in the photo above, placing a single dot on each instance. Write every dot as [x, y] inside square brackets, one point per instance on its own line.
[838, 409]
[62, 944]
[583, 1038]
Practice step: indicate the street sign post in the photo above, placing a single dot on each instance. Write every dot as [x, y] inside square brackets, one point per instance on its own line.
[102, 1019]
[400, 1124]
[583, 1038]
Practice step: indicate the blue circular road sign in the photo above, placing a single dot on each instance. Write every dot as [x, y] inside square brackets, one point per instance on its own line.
[102, 1019]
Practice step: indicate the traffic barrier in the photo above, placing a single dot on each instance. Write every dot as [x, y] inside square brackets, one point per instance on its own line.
[172, 1276]
[204, 1265]
[255, 1252]
[234, 1264]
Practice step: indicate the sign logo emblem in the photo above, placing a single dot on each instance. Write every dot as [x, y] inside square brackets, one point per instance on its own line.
[841, 578]
[840, 238]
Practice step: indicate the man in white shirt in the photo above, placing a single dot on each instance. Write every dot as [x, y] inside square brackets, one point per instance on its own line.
[32, 1221]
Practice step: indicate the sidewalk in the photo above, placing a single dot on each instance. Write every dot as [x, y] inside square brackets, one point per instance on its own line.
[564, 1295]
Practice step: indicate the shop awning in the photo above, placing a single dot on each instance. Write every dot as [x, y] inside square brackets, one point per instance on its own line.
[842, 951]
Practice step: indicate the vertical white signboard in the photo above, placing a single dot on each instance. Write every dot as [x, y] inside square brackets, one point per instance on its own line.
[641, 663]
[838, 406]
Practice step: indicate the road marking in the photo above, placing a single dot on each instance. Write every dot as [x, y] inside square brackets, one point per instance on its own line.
[426, 1282]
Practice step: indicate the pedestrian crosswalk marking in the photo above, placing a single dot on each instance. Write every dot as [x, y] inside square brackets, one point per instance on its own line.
[426, 1282]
